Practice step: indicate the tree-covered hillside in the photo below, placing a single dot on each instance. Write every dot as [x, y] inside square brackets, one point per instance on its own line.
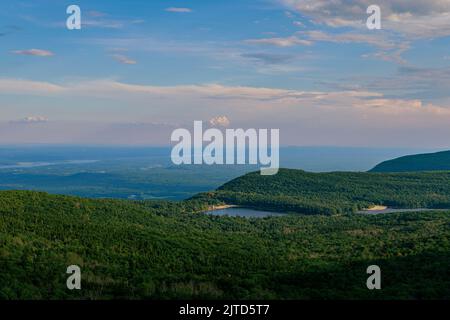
[438, 161]
[159, 250]
[336, 192]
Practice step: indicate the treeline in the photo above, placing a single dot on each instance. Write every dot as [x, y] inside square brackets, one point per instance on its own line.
[335, 193]
[163, 250]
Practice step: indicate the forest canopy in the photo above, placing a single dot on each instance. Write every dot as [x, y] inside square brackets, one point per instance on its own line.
[303, 192]
[166, 250]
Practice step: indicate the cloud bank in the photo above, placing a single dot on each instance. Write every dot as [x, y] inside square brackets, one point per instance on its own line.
[340, 117]
[34, 52]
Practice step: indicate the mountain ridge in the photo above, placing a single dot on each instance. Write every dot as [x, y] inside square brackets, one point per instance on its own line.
[437, 161]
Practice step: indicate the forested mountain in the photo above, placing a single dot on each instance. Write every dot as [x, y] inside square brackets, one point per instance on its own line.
[163, 250]
[334, 193]
[420, 162]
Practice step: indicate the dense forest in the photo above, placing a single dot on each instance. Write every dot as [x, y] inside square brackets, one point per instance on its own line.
[334, 193]
[164, 250]
[438, 161]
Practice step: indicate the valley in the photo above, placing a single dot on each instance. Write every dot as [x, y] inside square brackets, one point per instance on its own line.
[162, 250]
[295, 235]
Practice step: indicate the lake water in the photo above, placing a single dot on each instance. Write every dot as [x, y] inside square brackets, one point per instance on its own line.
[251, 213]
[244, 212]
[391, 210]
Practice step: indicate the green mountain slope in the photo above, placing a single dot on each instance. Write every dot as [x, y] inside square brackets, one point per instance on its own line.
[421, 162]
[336, 192]
[159, 250]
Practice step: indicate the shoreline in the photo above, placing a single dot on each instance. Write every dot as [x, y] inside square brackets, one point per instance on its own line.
[376, 208]
[221, 207]
[398, 210]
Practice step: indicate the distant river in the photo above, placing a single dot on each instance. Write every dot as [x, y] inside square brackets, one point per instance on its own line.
[23, 165]
[243, 212]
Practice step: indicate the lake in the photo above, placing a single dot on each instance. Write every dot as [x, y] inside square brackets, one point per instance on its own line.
[244, 212]
[392, 210]
[251, 213]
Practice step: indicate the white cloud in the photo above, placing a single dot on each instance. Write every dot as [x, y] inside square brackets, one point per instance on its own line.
[268, 58]
[96, 14]
[20, 86]
[417, 27]
[123, 59]
[413, 18]
[219, 121]
[289, 15]
[280, 42]
[407, 82]
[103, 23]
[31, 119]
[309, 117]
[270, 100]
[388, 49]
[178, 10]
[97, 19]
[34, 52]
[374, 39]
[110, 89]
[212, 91]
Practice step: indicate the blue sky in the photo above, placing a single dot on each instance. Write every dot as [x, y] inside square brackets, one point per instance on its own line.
[137, 69]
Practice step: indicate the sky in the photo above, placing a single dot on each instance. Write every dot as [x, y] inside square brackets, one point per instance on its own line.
[137, 70]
